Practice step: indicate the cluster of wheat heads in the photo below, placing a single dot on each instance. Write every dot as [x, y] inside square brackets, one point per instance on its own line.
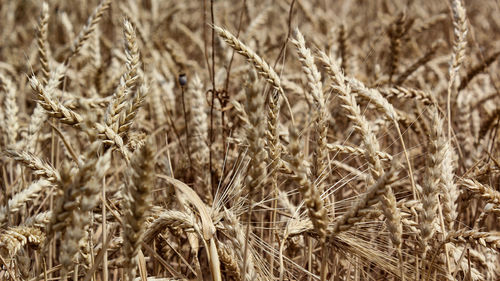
[249, 140]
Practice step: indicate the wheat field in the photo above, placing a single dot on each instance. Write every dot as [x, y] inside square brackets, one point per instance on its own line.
[249, 140]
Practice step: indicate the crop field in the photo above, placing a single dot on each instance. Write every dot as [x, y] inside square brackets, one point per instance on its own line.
[241, 140]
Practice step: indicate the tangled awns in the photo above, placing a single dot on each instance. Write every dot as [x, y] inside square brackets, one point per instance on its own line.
[249, 140]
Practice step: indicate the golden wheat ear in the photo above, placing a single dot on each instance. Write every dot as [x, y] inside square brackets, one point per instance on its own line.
[137, 195]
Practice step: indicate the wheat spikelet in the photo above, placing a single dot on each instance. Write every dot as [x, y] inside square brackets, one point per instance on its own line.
[67, 26]
[95, 50]
[361, 124]
[460, 30]
[133, 107]
[466, 130]
[310, 69]
[273, 145]
[131, 52]
[39, 220]
[255, 133]
[90, 190]
[156, 101]
[119, 116]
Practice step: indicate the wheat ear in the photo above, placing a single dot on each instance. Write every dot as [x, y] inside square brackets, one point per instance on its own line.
[396, 32]
[11, 109]
[417, 64]
[174, 220]
[53, 107]
[26, 195]
[368, 199]
[37, 165]
[14, 238]
[485, 239]
[89, 27]
[315, 206]
[132, 108]
[260, 65]
[199, 135]
[448, 188]
[116, 117]
[39, 113]
[137, 203]
[42, 42]
[458, 55]
[237, 237]
[407, 93]
[361, 124]
[358, 151]
[255, 135]
[431, 183]
[316, 90]
[343, 49]
[485, 192]
[477, 69]
[371, 144]
[68, 215]
[127, 80]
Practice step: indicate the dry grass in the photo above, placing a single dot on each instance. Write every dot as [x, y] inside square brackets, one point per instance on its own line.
[249, 140]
